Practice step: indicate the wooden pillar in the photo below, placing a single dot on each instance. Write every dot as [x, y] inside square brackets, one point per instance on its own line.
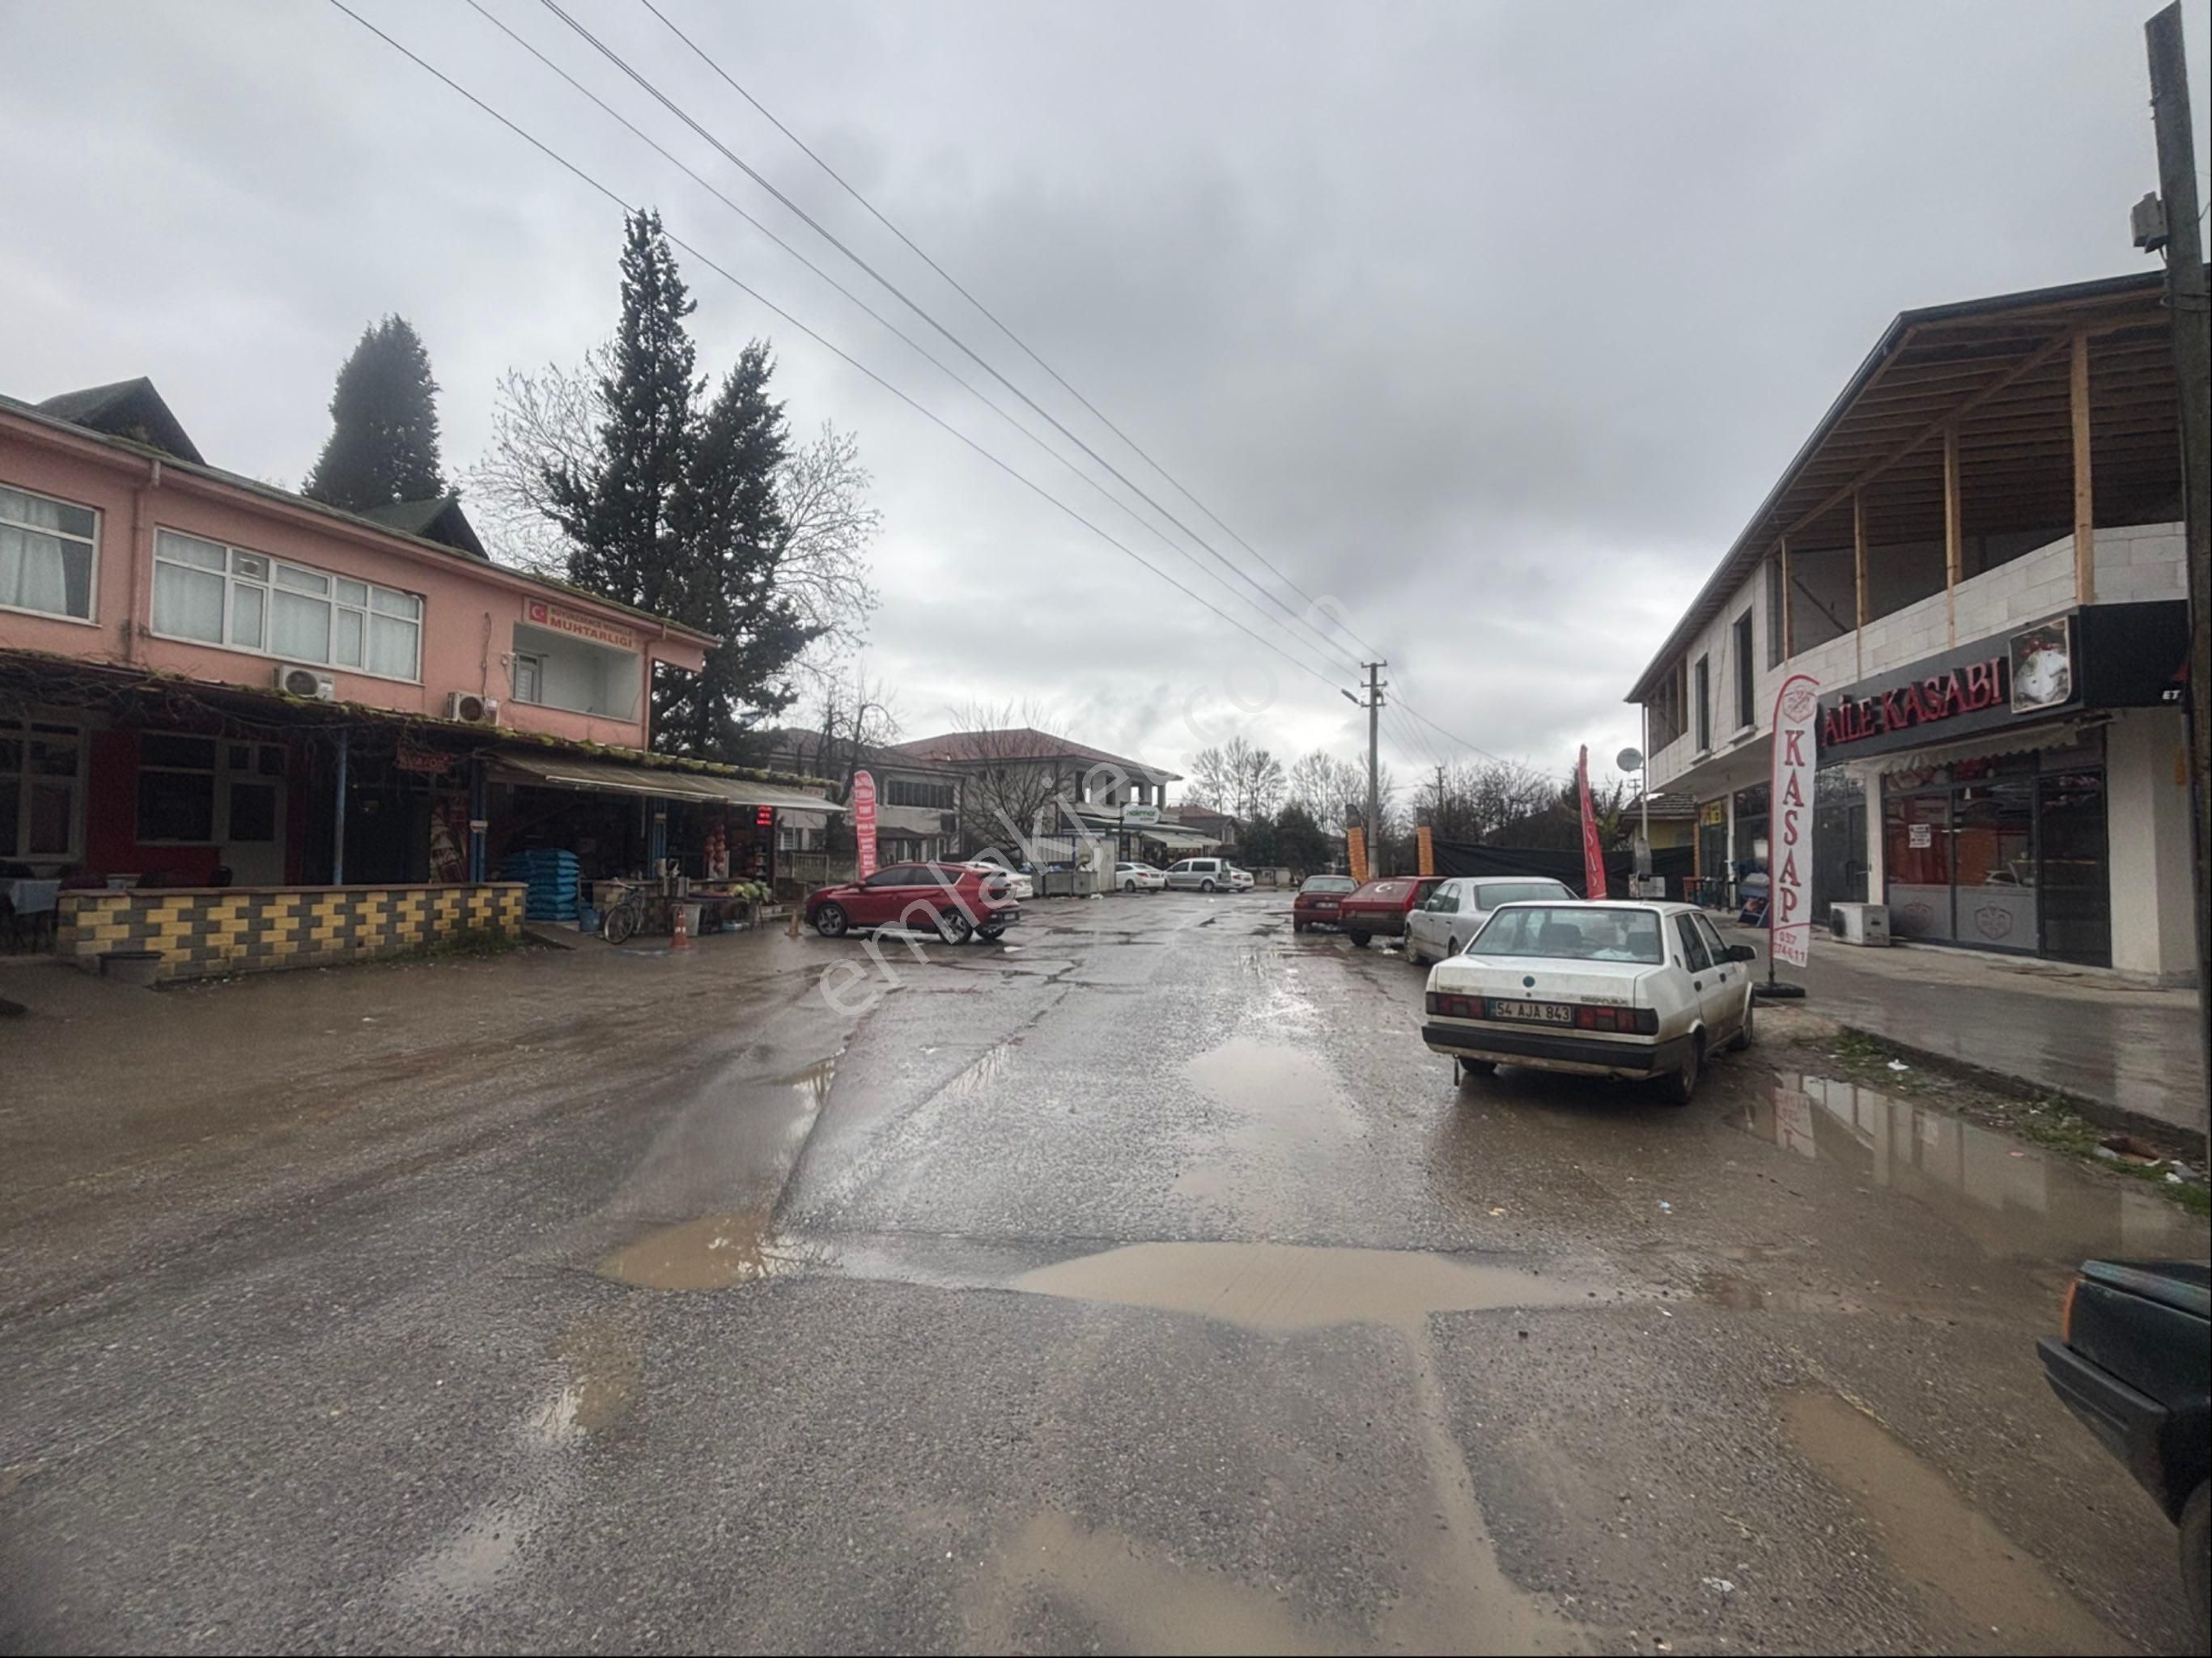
[1789, 607]
[2085, 533]
[1954, 543]
[1859, 570]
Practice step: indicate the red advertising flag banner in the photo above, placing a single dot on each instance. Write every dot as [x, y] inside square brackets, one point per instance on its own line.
[1593, 848]
[1790, 865]
[864, 820]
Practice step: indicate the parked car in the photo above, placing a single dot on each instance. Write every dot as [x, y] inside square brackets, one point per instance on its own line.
[1139, 877]
[955, 900]
[2130, 1359]
[1021, 880]
[1380, 907]
[1628, 990]
[1208, 875]
[1316, 904]
[1450, 916]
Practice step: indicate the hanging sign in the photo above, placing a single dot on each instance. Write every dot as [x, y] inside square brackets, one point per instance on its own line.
[1790, 899]
[864, 820]
[408, 757]
[1132, 812]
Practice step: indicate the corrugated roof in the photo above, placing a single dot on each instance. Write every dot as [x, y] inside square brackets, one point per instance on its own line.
[614, 777]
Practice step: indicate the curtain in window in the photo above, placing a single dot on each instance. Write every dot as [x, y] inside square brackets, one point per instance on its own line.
[391, 646]
[34, 571]
[298, 628]
[187, 603]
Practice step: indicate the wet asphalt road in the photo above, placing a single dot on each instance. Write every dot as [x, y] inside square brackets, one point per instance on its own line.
[1141, 1285]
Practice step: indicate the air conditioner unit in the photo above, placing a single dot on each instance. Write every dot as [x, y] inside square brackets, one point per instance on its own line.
[471, 709]
[293, 680]
[1859, 923]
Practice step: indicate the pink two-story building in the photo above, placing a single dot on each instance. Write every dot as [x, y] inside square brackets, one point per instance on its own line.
[212, 689]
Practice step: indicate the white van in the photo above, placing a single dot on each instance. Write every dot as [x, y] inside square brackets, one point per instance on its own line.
[1208, 875]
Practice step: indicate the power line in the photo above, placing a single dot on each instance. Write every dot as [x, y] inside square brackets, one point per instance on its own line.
[896, 332]
[745, 287]
[955, 283]
[889, 286]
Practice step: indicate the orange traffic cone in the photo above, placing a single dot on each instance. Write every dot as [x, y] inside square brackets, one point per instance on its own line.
[682, 934]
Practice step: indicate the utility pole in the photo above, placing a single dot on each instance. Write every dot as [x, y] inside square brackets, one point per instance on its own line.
[2186, 299]
[1374, 789]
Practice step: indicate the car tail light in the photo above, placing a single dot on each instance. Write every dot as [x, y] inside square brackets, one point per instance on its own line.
[1630, 1021]
[2066, 1314]
[1456, 1007]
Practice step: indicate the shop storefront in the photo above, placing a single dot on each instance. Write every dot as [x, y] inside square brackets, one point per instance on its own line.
[2016, 789]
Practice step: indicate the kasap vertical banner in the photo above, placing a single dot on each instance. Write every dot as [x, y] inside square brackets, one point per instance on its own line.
[1789, 866]
[864, 821]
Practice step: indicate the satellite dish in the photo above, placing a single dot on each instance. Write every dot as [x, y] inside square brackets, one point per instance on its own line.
[1629, 759]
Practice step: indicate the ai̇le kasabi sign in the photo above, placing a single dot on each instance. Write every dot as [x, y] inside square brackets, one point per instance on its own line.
[864, 821]
[1790, 872]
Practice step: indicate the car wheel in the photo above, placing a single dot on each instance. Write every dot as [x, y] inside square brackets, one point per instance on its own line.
[1463, 1070]
[991, 935]
[2194, 1544]
[1205, 886]
[954, 927]
[1677, 1088]
[1741, 1040]
[1361, 938]
[1128, 886]
[1298, 926]
[830, 921]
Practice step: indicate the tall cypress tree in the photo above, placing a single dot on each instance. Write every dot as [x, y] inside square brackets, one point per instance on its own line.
[383, 445]
[677, 513]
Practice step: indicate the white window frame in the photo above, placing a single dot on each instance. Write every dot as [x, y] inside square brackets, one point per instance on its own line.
[536, 698]
[236, 574]
[24, 731]
[91, 618]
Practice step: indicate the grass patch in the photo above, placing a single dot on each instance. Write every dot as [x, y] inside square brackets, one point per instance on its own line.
[2041, 1116]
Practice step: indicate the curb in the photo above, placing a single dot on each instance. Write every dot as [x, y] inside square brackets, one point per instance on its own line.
[2103, 1112]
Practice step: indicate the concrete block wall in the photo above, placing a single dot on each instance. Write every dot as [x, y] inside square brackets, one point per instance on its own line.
[2137, 561]
[209, 932]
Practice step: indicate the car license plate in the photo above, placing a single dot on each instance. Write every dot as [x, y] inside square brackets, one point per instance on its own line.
[1532, 1012]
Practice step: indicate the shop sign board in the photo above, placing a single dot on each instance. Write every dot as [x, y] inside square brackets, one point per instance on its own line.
[544, 613]
[864, 820]
[1134, 812]
[1789, 898]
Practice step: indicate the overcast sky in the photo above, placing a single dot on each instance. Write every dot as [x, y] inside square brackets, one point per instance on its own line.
[1493, 322]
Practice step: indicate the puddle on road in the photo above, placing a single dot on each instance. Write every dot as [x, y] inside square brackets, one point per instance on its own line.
[981, 1073]
[602, 1360]
[1256, 1075]
[1936, 1540]
[716, 1252]
[1276, 1288]
[2014, 1199]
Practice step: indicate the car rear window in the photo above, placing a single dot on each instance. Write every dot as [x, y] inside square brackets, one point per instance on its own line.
[1328, 884]
[1580, 933]
[1490, 894]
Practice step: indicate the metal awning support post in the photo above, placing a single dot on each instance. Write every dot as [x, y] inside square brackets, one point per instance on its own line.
[479, 815]
[338, 818]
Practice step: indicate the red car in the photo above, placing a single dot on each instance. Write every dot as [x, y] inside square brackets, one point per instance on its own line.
[1381, 907]
[1316, 904]
[957, 900]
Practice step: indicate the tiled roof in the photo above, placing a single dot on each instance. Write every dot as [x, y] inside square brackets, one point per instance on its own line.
[1023, 743]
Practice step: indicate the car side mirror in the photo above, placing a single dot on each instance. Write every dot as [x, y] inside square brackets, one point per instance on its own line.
[1742, 953]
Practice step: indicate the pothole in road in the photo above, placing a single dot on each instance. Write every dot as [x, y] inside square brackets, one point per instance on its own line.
[1256, 1075]
[716, 1252]
[2014, 1199]
[1281, 1288]
[1936, 1540]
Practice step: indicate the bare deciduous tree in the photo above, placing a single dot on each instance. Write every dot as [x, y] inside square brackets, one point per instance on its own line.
[1007, 794]
[547, 420]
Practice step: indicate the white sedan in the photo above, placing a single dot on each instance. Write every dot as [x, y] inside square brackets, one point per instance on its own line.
[1020, 886]
[1140, 878]
[1630, 990]
[1452, 914]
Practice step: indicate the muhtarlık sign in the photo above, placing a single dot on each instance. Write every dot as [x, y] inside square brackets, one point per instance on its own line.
[542, 613]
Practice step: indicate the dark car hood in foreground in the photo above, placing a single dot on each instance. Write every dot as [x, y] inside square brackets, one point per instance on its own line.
[2183, 1285]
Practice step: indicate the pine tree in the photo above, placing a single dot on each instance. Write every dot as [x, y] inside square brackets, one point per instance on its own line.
[676, 514]
[383, 445]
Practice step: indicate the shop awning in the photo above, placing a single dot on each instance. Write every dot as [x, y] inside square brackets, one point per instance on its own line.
[615, 777]
[1166, 834]
[2063, 734]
